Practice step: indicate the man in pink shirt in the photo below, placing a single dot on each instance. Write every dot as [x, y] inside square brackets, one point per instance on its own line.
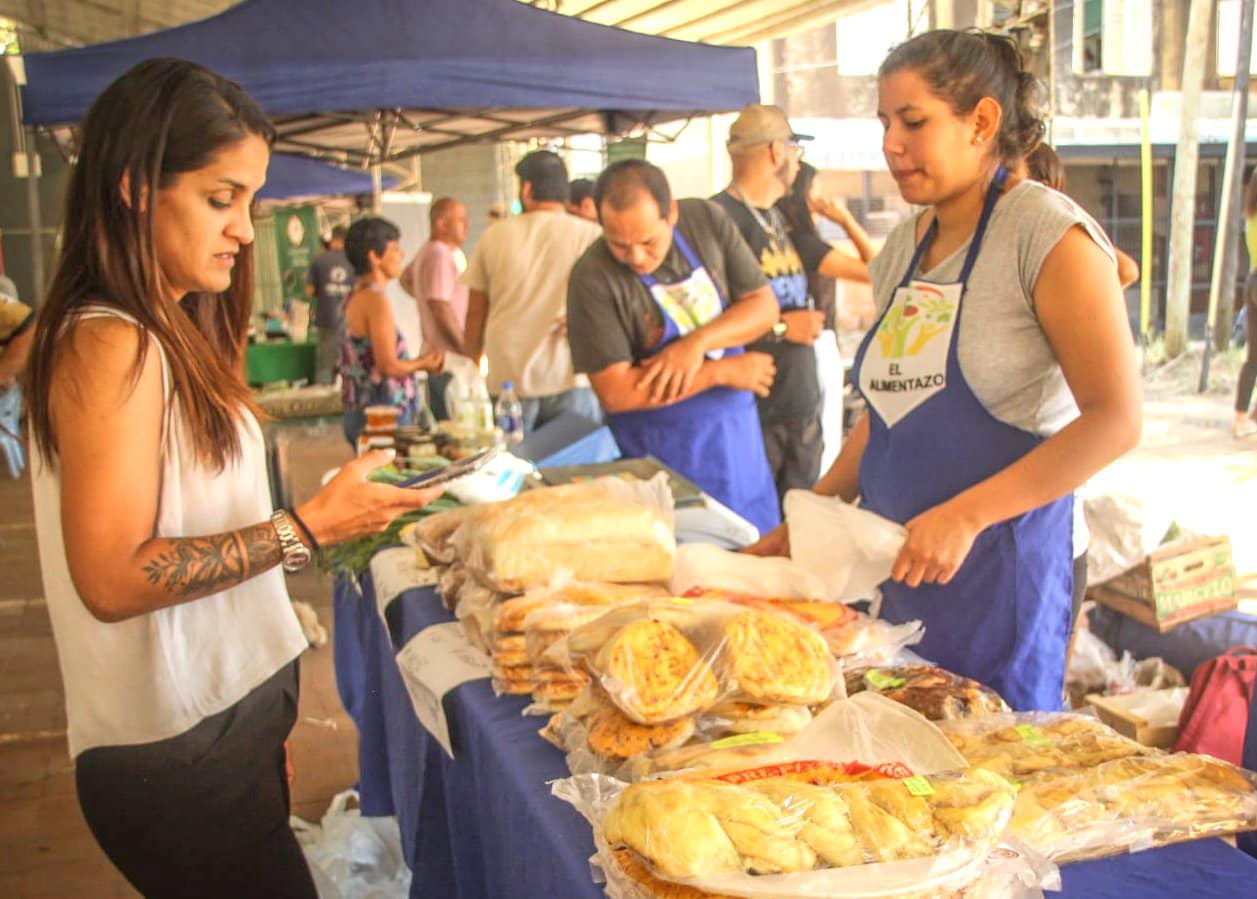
[432, 278]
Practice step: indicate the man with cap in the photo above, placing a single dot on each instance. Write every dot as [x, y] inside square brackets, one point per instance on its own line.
[517, 281]
[765, 152]
[658, 312]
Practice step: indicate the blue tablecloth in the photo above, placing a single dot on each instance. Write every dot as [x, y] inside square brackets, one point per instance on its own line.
[485, 825]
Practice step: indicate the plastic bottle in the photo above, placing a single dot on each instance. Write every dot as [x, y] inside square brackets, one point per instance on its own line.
[483, 406]
[425, 421]
[509, 414]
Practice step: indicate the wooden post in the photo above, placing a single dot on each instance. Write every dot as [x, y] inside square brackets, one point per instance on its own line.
[1183, 198]
[1226, 249]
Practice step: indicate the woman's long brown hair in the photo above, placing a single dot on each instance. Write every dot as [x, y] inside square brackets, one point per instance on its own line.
[162, 118]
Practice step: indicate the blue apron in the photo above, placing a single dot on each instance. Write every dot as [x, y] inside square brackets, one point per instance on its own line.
[713, 438]
[1004, 617]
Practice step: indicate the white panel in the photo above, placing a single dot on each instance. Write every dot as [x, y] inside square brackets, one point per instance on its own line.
[1126, 47]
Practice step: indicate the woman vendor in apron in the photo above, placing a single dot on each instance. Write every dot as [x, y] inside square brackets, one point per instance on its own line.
[999, 376]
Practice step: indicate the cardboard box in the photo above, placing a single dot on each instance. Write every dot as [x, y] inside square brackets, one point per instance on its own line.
[1121, 713]
[1177, 582]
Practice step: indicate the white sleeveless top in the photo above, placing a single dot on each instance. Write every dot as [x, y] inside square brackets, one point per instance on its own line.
[157, 675]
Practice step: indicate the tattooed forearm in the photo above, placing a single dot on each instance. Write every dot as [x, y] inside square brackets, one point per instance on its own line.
[198, 566]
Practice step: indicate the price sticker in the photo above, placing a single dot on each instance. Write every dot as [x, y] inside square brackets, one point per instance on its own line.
[918, 786]
[877, 680]
[755, 738]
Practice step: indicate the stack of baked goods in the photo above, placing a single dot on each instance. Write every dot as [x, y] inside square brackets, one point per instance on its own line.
[937, 694]
[524, 627]
[853, 637]
[671, 670]
[1133, 802]
[1085, 791]
[605, 532]
[1024, 745]
[827, 836]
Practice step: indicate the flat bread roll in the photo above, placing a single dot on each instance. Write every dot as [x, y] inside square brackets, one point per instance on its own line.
[613, 736]
[654, 674]
[773, 659]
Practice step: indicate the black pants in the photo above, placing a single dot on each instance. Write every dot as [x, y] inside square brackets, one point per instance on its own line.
[203, 815]
[793, 449]
[1248, 374]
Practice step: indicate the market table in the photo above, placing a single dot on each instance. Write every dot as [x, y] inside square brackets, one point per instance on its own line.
[484, 824]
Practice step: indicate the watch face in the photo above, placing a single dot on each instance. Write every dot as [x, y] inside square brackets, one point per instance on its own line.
[296, 558]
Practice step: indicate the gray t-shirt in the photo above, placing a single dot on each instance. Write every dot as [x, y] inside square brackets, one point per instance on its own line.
[611, 315]
[332, 278]
[1004, 354]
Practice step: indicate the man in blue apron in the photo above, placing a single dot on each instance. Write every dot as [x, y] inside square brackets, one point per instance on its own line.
[1003, 618]
[658, 311]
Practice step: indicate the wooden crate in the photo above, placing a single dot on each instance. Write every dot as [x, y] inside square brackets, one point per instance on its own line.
[1175, 583]
[1113, 712]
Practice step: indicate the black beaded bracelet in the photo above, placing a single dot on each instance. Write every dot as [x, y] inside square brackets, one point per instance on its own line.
[292, 513]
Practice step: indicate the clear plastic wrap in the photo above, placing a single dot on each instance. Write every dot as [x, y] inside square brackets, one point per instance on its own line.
[607, 529]
[1021, 746]
[769, 835]
[597, 738]
[434, 534]
[660, 660]
[1133, 803]
[937, 694]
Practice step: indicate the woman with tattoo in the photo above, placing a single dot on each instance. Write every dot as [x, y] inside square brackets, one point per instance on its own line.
[161, 554]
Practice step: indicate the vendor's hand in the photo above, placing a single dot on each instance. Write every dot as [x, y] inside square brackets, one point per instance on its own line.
[669, 373]
[351, 506]
[431, 362]
[803, 325]
[560, 325]
[775, 543]
[751, 371]
[939, 540]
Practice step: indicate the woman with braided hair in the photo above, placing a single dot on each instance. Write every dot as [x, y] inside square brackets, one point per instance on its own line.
[1000, 374]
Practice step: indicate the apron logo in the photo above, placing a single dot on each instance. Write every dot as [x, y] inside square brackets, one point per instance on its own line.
[906, 329]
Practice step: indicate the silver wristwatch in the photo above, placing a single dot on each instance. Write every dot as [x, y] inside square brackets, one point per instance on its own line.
[296, 555]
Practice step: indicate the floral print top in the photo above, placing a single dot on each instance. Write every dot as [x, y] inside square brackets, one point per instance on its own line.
[363, 385]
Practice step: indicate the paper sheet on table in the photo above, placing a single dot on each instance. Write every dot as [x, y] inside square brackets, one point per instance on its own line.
[435, 661]
[850, 549]
[712, 568]
[396, 570]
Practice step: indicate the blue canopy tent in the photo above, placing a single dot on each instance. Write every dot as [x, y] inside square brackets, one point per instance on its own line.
[289, 177]
[381, 80]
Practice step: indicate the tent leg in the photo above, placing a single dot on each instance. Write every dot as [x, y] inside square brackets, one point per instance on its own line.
[377, 189]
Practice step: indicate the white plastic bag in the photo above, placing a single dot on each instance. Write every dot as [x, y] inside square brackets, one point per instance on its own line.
[1123, 531]
[850, 549]
[352, 857]
[712, 568]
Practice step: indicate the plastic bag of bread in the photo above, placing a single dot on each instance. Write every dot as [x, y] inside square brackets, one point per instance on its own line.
[664, 659]
[1133, 803]
[1022, 745]
[433, 534]
[937, 694]
[607, 529]
[763, 833]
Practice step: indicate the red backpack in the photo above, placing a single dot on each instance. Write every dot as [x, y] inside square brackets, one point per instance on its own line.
[1215, 716]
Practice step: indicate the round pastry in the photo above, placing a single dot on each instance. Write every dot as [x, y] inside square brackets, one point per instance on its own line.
[654, 674]
[614, 736]
[774, 659]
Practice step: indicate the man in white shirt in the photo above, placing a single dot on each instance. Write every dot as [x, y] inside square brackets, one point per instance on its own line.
[516, 312]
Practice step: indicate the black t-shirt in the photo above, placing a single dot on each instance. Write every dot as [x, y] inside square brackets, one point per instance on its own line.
[612, 316]
[812, 250]
[796, 391]
[332, 277]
